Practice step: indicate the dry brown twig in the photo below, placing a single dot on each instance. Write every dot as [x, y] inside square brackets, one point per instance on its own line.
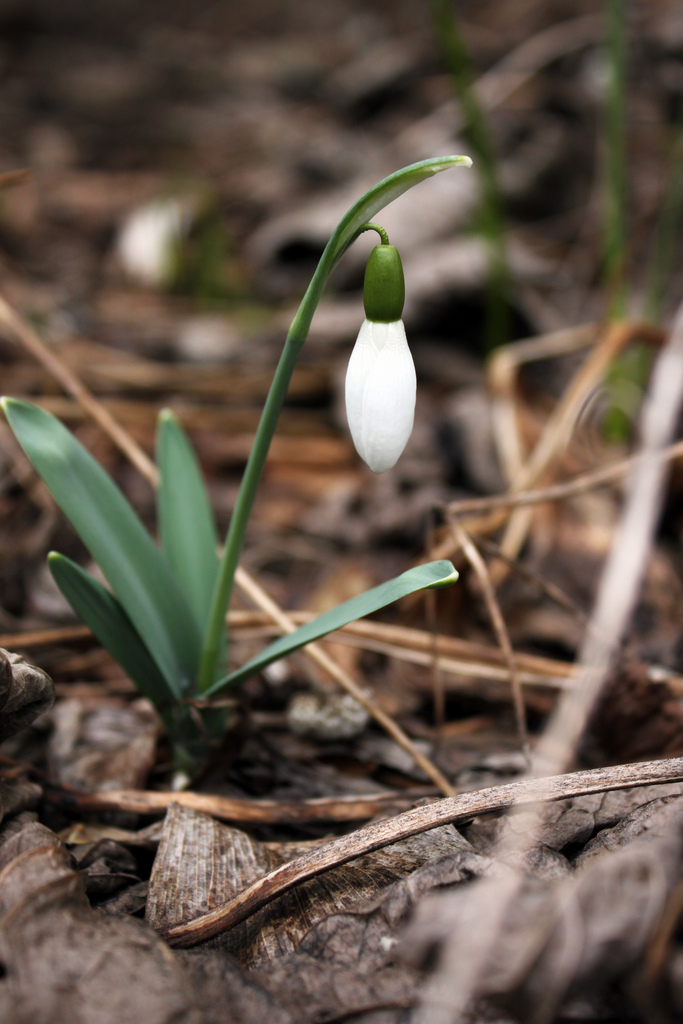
[473, 556]
[567, 489]
[73, 386]
[233, 809]
[560, 426]
[558, 429]
[8, 179]
[502, 371]
[549, 588]
[452, 810]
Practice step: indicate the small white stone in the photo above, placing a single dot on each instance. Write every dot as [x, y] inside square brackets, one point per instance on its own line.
[148, 240]
[337, 717]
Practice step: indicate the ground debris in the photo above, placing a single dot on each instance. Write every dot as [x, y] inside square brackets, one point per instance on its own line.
[102, 746]
[25, 693]
[584, 936]
[202, 863]
[64, 962]
[346, 964]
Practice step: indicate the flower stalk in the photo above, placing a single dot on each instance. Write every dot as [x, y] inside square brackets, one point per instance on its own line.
[354, 222]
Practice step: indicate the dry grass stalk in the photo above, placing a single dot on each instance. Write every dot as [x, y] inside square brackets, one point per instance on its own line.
[560, 426]
[477, 562]
[557, 432]
[502, 372]
[557, 492]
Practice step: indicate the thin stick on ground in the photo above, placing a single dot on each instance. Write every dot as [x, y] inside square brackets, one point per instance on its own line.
[554, 592]
[453, 810]
[142, 462]
[473, 556]
[557, 492]
[555, 436]
[560, 426]
[282, 812]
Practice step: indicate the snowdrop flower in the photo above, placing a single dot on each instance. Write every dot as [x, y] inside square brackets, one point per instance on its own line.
[380, 380]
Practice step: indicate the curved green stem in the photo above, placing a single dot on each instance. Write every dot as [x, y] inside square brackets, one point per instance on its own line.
[350, 226]
[375, 227]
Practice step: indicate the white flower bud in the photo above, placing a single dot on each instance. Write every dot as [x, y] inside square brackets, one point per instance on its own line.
[380, 393]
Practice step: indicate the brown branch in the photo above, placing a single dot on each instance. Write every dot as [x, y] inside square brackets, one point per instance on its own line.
[281, 812]
[452, 810]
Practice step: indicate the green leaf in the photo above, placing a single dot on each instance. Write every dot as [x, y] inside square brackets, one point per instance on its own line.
[103, 614]
[374, 200]
[422, 577]
[135, 568]
[186, 524]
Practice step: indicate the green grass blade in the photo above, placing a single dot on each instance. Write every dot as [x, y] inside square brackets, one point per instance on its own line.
[491, 220]
[667, 236]
[135, 568]
[103, 614]
[616, 163]
[186, 524]
[422, 577]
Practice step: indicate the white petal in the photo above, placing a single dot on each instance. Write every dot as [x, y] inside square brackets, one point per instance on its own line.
[380, 393]
[360, 364]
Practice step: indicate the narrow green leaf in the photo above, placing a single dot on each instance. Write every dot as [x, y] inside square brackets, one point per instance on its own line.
[422, 577]
[103, 614]
[186, 524]
[383, 193]
[135, 568]
[347, 230]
